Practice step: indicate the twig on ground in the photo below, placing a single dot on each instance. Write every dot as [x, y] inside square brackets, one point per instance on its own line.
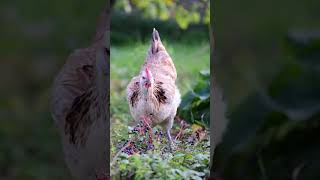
[118, 153]
[182, 126]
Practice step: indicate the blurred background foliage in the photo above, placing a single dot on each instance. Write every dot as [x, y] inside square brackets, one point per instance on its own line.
[184, 12]
[267, 61]
[195, 104]
[182, 20]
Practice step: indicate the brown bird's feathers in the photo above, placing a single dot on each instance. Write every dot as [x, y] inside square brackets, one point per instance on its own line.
[133, 91]
[78, 118]
[159, 93]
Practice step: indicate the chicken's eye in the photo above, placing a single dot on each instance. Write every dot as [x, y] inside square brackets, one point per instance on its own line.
[143, 77]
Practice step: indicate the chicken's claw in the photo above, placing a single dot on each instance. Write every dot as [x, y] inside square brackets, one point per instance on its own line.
[172, 147]
[146, 120]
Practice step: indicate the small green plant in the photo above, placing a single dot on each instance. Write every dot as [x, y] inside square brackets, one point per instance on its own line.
[195, 105]
[145, 155]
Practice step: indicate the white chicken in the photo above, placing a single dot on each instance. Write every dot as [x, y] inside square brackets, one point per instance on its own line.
[80, 107]
[153, 95]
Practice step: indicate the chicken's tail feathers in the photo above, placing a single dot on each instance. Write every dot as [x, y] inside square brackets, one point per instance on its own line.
[155, 35]
[156, 44]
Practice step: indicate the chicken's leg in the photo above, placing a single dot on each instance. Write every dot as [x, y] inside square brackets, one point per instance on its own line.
[171, 145]
[168, 128]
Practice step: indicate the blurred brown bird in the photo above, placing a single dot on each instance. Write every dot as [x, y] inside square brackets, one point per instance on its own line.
[80, 106]
[153, 95]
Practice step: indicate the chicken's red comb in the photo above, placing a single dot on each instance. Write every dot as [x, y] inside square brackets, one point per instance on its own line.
[147, 72]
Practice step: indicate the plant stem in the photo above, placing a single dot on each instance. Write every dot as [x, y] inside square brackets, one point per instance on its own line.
[118, 153]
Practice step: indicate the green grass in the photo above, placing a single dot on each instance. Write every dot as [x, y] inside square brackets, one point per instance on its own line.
[126, 61]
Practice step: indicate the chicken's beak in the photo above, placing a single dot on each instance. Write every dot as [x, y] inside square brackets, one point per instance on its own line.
[147, 84]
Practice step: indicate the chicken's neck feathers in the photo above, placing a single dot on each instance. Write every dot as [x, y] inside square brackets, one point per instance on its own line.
[149, 96]
[147, 93]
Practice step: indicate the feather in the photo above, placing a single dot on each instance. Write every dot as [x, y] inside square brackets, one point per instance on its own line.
[78, 118]
[159, 93]
[134, 97]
